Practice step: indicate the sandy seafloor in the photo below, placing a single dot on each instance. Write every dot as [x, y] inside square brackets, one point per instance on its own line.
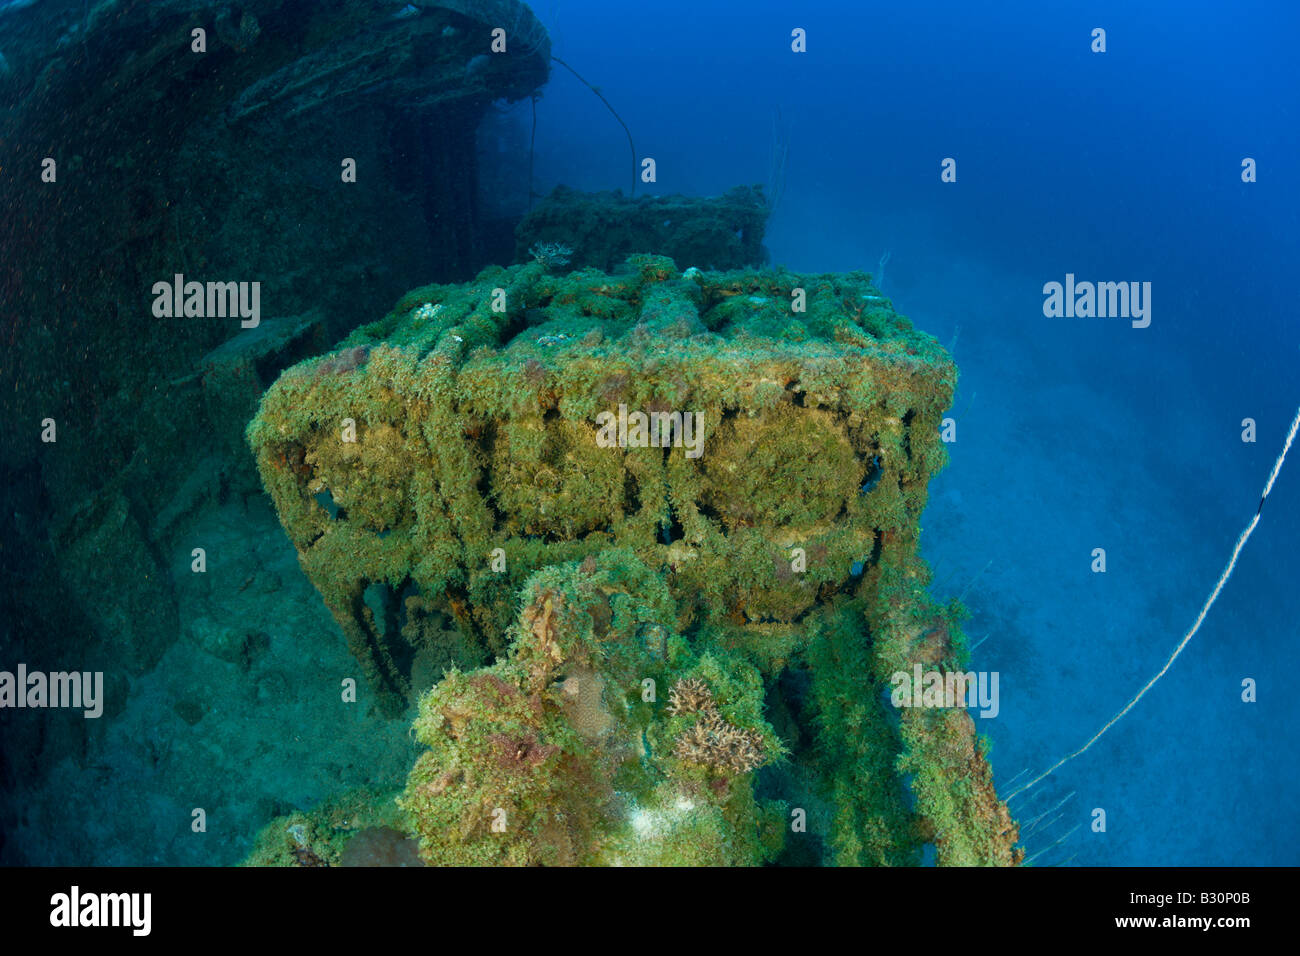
[274, 734]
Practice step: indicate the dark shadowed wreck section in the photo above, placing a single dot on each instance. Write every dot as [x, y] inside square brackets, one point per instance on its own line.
[149, 139]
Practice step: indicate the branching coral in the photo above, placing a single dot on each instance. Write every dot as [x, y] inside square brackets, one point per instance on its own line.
[689, 696]
[552, 255]
[712, 741]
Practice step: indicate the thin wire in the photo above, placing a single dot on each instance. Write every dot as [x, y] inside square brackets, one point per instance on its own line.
[1214, 596]
[532, 145]
[611, 109]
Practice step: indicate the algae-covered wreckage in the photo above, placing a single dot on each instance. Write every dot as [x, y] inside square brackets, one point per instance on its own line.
[628, 653]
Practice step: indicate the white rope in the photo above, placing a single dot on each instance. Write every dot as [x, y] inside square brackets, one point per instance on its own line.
[1223, 579]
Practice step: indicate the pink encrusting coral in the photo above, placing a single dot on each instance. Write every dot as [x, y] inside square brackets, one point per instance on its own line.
[348, 360]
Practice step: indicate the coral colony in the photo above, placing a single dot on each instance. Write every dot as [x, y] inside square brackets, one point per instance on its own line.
[552, 255]
[628, 634]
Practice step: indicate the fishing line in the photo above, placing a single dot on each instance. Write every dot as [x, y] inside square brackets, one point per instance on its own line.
[1223, 579]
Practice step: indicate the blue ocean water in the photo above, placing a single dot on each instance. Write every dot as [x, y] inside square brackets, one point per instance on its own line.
[1073, 433]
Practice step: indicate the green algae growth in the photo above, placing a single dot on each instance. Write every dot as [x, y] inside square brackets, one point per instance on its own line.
[663, 641]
